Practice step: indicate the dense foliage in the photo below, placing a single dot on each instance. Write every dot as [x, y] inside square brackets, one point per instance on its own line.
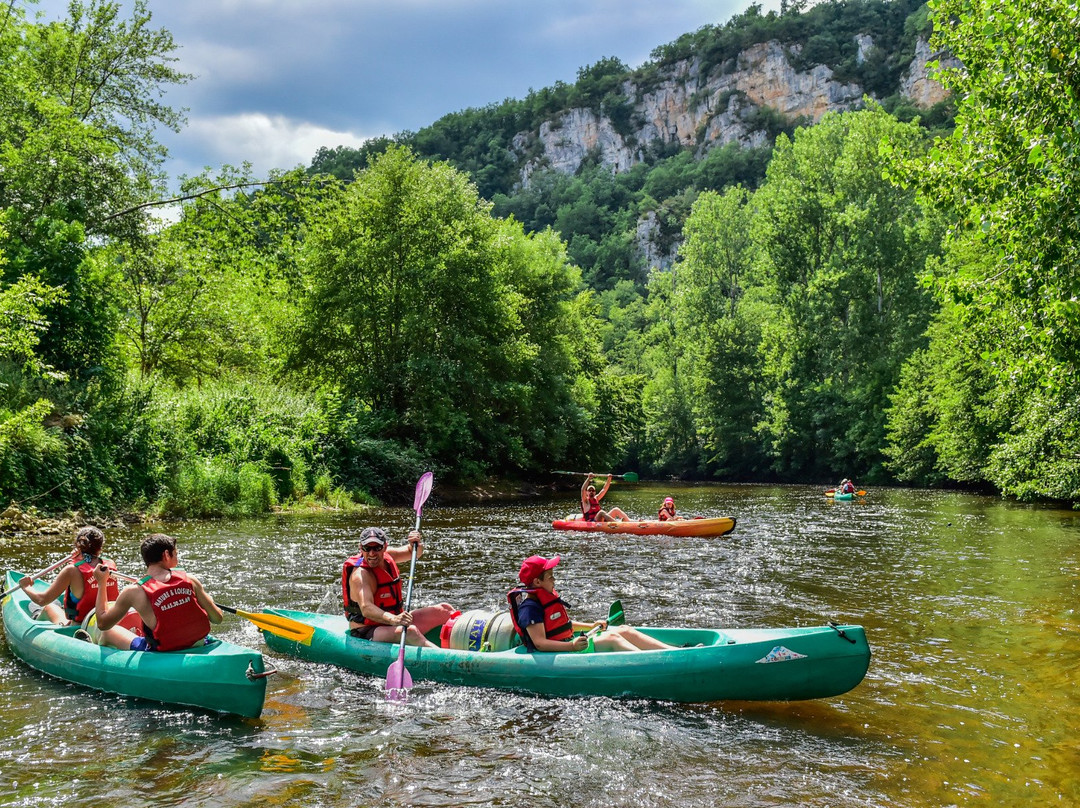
[998, 402]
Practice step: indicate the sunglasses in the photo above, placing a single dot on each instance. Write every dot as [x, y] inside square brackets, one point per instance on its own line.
[371, 548]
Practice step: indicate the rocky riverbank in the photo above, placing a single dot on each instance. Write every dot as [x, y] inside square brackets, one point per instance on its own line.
[16, 520]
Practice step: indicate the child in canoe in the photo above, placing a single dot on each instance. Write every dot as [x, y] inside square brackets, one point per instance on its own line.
[175, 609]
[542, 619]
[667, 511]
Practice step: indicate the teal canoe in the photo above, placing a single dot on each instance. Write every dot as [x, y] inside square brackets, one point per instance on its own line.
[841, 497]
[219, 676]
[738, 664]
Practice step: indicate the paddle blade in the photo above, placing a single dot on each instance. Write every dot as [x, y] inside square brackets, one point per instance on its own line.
[278, 624]
[630, 477]
[398, 681]
[423, 489]
[615, 614]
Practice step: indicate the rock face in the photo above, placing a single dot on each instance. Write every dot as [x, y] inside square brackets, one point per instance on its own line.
[696, 111]
[917, 84]
[705, 111]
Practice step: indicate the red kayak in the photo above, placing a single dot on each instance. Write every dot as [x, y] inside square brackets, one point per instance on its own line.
[653, 527]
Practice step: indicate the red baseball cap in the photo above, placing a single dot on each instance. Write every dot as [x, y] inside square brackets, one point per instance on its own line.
[535, 566]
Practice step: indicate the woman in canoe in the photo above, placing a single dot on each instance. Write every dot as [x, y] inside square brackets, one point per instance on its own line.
[846, 487]
[590, 503]
[542, 618]
[77, 584]
[371, 592]
[176, 610]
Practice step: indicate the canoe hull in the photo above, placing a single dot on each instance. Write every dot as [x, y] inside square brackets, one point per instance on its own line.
[212, 677]
[717, 526]
[742, 664]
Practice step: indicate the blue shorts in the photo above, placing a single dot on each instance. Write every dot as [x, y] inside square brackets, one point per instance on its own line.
[140, 644]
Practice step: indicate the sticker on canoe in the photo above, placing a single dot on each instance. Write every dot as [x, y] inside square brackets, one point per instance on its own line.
[780, 654]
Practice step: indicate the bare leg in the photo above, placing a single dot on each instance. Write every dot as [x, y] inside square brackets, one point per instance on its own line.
[391, 634]
[54, 614]
[626, 638]
[428, 617]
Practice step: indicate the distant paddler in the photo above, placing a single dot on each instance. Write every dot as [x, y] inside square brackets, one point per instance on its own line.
[591, 510]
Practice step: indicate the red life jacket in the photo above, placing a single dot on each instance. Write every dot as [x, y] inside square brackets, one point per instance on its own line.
[76, 610]
[557, 622]
[387, 589]
[594, 509]
[181, 621]
[665, 514]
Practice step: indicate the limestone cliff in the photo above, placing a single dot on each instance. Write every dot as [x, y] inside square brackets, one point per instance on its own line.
[700, 111]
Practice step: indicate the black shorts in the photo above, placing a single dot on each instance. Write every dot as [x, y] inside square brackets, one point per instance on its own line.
[363, 633]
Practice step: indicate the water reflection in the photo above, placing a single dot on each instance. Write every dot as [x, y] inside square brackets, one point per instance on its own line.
[968, 604]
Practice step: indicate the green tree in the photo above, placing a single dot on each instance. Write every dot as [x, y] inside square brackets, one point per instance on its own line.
[435, 317]
[78, 111]
[1007, 179]
[840, 251]
[722, 333]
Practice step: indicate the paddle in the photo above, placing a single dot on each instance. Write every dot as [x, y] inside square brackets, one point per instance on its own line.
[630, 476]
[832, 493]
[615, 614]
[39, 573]
[398, 680]
[274, 623]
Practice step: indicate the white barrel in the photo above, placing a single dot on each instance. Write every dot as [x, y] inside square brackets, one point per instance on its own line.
[470, 630]
[501, 634]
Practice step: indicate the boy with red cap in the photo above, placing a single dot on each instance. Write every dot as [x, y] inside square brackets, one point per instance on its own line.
[542, 618]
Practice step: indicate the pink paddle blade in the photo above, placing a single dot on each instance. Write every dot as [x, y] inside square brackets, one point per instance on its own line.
[398, 681]
[423, 489]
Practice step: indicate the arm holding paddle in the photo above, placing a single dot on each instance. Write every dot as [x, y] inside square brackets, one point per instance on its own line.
[59, 585]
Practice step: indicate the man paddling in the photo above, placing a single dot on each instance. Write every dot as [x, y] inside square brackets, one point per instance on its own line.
[176, 610]
[371, 592]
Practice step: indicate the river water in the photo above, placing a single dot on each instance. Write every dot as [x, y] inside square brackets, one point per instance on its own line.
[971, 697]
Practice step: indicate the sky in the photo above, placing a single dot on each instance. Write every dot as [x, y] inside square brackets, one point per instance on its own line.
[277, 79]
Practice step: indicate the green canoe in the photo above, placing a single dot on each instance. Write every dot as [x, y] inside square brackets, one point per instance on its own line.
[219, 676]
[741, 664]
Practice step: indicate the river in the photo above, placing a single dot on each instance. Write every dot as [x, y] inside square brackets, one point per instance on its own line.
[969, 604]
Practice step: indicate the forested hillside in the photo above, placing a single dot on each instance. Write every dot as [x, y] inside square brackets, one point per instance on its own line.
[753, 293]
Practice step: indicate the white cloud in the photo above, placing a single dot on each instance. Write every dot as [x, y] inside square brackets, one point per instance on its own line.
[266, 141]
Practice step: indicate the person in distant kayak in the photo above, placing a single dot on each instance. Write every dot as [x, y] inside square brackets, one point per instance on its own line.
[542, 618]
[667, 511]
[846, 486]
[77, 584]
[590, 503]
[372, 597]
[175, 609]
